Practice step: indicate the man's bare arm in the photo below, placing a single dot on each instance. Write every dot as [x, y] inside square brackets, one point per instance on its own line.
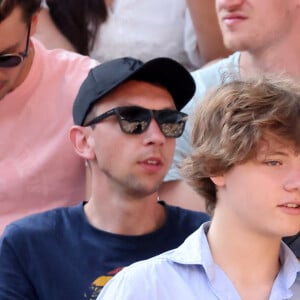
[179, 193]
[209, 36]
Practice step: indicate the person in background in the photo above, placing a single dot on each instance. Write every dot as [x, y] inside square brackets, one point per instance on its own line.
[262, 46]
[38, 169]
[209, 36]
[246, 163]
[126, 120]
[144, 29]
[49, 34]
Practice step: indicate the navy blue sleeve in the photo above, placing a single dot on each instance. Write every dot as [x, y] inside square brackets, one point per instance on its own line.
[14, 284]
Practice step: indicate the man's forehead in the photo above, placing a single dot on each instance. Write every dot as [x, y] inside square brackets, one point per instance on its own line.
[12, 29]
[14, 15]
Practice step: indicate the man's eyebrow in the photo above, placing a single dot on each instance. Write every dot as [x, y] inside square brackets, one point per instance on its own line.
[10, 49]
[279, 152]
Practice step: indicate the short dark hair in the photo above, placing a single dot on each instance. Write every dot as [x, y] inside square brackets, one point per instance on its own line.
[29, 7]
[79, 21]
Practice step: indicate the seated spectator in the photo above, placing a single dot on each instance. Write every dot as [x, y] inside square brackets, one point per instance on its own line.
[209, 36]
[143, 29]
[52, 35]
[258, 51]
[38, 168]
[246, 163]
[127, 118]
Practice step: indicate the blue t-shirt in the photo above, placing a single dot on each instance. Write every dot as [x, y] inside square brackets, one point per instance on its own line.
[59, 255]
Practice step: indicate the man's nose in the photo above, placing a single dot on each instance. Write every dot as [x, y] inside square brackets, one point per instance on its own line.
[292, 181]
[228, 4]
[153, 134]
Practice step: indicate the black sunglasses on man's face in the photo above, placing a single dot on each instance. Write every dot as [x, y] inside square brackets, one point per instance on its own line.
[14, 59]
[135, 120]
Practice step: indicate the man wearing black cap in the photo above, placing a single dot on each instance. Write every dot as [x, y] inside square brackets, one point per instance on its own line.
[126, 117]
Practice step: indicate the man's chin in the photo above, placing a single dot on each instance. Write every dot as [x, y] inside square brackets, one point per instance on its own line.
[4, 91]
[235, 45]
[2, 95]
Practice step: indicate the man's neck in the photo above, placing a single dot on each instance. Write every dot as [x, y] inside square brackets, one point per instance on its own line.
[284, 60]
[125, 216]
[250, 260]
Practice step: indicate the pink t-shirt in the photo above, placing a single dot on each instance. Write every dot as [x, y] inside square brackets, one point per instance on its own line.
[39, 169]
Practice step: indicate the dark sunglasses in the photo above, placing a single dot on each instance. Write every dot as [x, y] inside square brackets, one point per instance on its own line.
[135, 120]
[14, 59]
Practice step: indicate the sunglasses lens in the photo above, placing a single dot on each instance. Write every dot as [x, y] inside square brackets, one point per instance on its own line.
[171, 123]
[133, 120]
[8, 61]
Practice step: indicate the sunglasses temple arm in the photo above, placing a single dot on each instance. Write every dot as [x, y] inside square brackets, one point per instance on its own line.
[25, 53]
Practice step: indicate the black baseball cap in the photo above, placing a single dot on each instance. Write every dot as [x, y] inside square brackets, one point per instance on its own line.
[105, 77]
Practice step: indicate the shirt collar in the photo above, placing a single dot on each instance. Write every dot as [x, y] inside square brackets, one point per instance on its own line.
[199, 254]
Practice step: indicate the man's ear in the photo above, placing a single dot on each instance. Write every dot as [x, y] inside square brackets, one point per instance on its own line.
[219, 181]
[82, 141]
[34, 21]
